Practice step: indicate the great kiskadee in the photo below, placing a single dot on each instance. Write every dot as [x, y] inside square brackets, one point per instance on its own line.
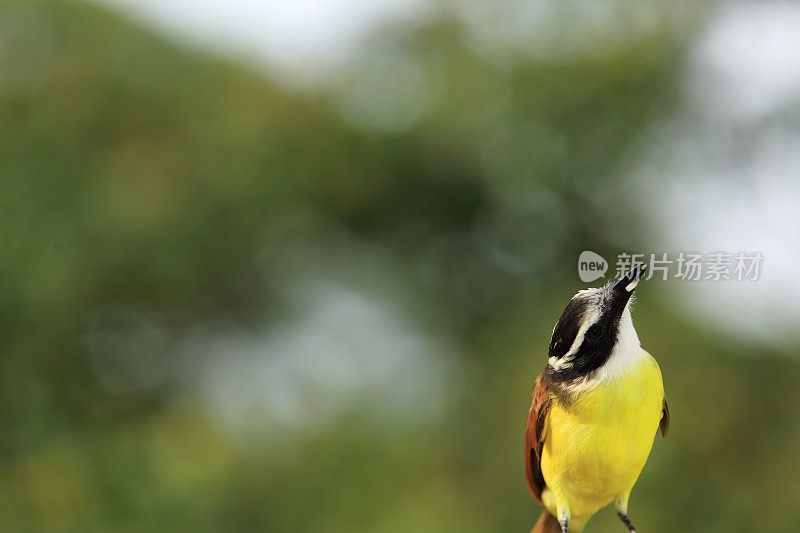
[595, 410]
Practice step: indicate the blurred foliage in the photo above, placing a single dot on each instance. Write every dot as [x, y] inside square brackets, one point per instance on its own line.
[139, 175]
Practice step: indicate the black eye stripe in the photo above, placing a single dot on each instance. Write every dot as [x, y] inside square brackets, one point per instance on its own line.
[594, 332]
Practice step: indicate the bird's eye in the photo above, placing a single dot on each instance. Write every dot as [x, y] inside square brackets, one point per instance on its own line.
[594, 332]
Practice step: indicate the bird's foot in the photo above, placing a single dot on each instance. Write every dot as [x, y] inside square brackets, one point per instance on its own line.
[627, 522]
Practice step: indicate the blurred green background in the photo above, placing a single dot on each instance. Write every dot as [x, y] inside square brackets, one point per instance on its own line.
[245, 295]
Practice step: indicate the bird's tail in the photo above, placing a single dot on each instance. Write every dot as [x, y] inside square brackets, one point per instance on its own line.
[547, 523]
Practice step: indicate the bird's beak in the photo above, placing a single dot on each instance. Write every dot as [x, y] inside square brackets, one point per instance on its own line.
[624, 287]
[627, 283]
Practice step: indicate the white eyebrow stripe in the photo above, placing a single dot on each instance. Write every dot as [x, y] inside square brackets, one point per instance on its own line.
[588, 321]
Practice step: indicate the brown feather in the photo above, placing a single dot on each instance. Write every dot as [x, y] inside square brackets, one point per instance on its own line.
[534, 437]
[663, 426]
[547, 523]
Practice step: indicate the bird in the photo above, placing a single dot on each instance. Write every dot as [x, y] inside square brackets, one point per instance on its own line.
[595, 410]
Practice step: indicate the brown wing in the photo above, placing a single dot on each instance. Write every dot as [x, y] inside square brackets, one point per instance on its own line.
[663, 426]
[534, 438]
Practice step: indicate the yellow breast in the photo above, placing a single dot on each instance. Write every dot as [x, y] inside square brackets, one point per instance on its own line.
[596, 446]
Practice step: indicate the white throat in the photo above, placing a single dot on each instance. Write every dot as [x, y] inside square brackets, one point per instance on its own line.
[626, 353]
